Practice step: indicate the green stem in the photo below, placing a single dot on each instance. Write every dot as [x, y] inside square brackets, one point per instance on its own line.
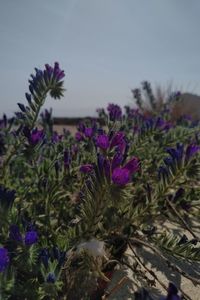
[14, 149]
[181, 219]
[168, 263]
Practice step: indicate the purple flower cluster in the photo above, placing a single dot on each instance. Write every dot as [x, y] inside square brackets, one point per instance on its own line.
[150, 123]
[4, 259]
[115, 112]
[102, 141]
[38, 85]
[30, 238]
[51, 277]
[122, 176]
[177, 156]
[46, 116]
[88, 168]
[88, 132]
[53, 73]
[45, 255]
[49, 75]
[105, 142]
[56, 138]
[78, 136]
[176, 153]
[85, 131]
[34, 136]
[191, 150]
[163, 125]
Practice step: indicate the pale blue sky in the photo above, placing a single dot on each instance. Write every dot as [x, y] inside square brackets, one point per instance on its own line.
[106, 47]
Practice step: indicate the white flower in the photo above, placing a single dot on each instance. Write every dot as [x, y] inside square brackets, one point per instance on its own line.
[93, 247]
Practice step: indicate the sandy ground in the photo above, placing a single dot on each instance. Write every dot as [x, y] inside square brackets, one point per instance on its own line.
[158, 265]
[163, 273]
[71, 128]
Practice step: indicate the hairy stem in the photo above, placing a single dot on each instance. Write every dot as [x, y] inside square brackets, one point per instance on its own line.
[150, 271]
[181, 219]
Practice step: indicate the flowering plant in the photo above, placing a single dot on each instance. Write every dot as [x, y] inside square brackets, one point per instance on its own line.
[70, 206]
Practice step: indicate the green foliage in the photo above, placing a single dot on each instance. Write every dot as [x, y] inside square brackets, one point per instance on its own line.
[70, 205]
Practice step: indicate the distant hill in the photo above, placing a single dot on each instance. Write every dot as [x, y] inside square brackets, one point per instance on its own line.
[189, 104]
[73, 121]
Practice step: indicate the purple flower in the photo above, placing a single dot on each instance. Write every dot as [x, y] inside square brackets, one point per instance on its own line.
[4, 259]
[172, 293]
[132, 165]
[176, 153]
[67, 159]
[88, 168]
[163, 125]
[191, 150]
[88, 132]
[46, 116]
[51, 278]
[117, 160]
[81, 127]
[15, 233]
[56, 137]
[50, 72]
[121, 146]
[36, 136]
[117, 139]
[42, 79]
[121, 176]
[78, 136]
[58, 73]
[102, 141]
[31, 237]
[115, 112]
